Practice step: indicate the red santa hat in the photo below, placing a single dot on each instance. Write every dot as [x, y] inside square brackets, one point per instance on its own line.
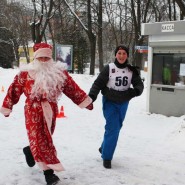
[42, 50]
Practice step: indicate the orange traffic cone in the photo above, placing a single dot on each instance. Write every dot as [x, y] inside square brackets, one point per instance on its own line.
[61, 113]
[2, 89]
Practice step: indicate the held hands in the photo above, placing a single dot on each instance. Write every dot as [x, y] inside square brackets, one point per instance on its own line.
[90, 107]
[87, 103]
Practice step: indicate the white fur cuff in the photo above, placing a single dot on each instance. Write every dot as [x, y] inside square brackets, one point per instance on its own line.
[5, 111]
[43, 52]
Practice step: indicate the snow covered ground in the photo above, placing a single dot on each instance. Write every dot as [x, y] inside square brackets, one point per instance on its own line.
[150, 151]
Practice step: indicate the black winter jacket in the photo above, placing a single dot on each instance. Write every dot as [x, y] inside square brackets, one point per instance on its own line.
[100, 84]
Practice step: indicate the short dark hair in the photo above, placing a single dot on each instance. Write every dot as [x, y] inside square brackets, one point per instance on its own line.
[122, 47]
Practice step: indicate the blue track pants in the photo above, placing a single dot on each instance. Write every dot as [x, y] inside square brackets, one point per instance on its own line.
[114, 114]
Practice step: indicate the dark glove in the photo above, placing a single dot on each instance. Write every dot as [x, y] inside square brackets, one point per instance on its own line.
[92, 97]
[132, 92]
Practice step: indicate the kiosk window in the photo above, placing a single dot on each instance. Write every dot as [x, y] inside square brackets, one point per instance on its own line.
[168, 69]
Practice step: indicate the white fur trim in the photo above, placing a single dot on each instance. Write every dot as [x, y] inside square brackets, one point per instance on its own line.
[85, 103]
[43, 52]
[56, 167]
[43, 166]
[5, 111]
[48, 114]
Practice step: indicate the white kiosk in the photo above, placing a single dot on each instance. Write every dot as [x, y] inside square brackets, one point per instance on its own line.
[166, 67]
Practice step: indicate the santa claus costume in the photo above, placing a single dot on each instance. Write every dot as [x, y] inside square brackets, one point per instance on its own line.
[42, 82]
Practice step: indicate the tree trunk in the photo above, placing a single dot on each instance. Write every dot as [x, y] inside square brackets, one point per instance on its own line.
[181, 6]
[100, 42]
[92, 39]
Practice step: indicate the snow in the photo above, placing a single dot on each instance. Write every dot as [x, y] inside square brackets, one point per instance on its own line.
[150, 149]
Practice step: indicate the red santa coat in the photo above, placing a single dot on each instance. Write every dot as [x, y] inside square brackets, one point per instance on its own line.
[40, 116]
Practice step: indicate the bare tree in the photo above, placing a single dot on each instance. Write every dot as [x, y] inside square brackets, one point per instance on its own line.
[100, 31]
[16, 19]
[89, 31]
[7, 55]
[174, 10]
[181, 5]
[139, 12]
[120, 23]
[41, 19]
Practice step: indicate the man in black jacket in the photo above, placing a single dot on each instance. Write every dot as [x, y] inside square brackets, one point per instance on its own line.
[118, 82]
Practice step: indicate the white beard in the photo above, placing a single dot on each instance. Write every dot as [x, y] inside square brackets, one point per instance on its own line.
[49, 79]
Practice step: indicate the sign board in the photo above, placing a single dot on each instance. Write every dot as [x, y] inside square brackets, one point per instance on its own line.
[167, 28]
[163, 28]
[64, 54]
[141, 49]
[182, 70]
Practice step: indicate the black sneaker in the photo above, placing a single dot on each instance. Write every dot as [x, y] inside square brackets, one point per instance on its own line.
[52, 180]
[29, 157]
[100, 150]
[50, 177]
[107, 163]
